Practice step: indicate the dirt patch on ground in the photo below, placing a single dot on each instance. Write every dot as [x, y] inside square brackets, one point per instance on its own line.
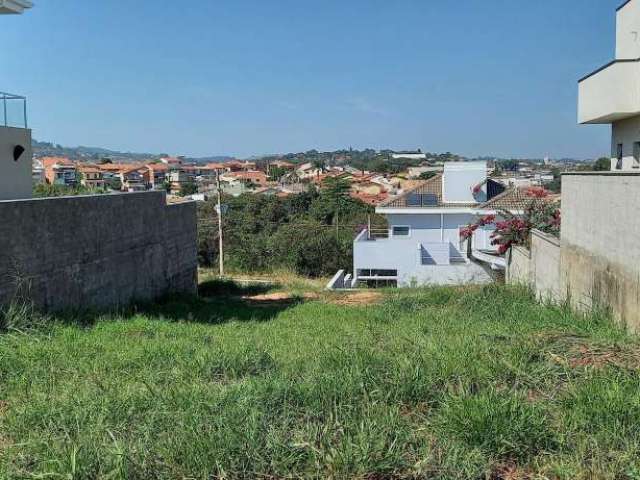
[599, 357]
[510, 471]
[357, 298]
[576, 352]
[278, 298]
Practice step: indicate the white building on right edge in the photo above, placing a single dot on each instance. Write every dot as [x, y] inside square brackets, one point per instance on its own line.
[15, 137]
[611, 94]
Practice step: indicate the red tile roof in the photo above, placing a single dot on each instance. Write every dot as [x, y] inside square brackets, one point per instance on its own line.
[49, 161]
[216, 166]
[370, 199]
[431, 186]
[157, 166]
[89, 168]
[249, 175]
[515, 198]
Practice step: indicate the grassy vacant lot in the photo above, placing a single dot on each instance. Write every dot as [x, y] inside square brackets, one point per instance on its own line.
[465, 383]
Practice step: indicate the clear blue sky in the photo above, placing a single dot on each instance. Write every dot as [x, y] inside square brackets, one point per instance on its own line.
[244, 77]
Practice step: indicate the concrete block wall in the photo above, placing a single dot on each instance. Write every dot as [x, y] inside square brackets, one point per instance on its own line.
[538, 267]
[96, 251]
[518, 270]
[596, 264]
[545, 263]
[600, 259]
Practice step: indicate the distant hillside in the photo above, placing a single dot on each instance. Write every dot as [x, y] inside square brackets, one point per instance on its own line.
[48, 149]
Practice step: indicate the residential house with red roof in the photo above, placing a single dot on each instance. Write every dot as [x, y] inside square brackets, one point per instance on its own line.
[237, 166]
[157, 174]
[254, 177]
[59, 171]
[134, 179]
[90, 176]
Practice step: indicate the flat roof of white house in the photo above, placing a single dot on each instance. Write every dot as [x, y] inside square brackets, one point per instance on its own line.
[14, 6]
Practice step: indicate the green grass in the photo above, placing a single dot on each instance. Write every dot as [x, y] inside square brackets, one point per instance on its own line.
[468, 383]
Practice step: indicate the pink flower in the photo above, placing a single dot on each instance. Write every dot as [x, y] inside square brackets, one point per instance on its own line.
[487, 220]
[502, 249]
[537, 192]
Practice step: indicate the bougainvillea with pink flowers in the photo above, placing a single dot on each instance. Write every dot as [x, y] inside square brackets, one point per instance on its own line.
[540, 214]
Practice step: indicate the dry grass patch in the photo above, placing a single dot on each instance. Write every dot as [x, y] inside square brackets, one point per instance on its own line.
[580, 352]
[357, 298]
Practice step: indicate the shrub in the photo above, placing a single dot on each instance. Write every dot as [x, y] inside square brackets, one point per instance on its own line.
[540, 214]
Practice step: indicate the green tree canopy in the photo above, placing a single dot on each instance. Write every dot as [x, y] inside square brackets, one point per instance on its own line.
[603, 164]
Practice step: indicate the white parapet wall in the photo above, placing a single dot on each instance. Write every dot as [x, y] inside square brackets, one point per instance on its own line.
[15, 173]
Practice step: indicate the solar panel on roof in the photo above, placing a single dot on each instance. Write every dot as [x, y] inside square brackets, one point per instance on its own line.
[429, 200]
[414, 200]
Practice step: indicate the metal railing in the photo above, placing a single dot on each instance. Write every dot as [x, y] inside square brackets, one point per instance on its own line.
[13, 110]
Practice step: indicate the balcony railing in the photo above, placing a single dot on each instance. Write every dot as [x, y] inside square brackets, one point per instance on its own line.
[13, 110]
[372, 234]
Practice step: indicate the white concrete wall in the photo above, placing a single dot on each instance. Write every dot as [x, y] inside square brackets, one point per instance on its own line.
[600, 243]
[625, 132]
[460, 178]
[404, 256]
[545, 267]
[601, 214]
[428, 228]
[15, 176]
[519, 267]
[538, 267]
[628, 31]
[611, 94]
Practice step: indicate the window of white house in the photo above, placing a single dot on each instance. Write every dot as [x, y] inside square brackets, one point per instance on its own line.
[400, 231]
[636, 155]
[619, 157]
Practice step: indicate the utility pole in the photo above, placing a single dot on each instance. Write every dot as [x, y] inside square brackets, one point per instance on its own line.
[220, 244]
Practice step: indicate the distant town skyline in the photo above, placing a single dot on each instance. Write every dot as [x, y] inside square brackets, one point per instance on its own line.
[245, 78]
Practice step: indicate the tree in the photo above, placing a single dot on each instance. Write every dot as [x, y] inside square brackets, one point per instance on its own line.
[114, 183]
[276, 173]
[426, 175]
[603, 164]
[555, 185]
[540, 214]
[188, 188]
[510, 165]
[265, 233]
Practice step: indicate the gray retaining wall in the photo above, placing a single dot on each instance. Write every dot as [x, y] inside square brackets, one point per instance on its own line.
[596, 264]
[96, 251]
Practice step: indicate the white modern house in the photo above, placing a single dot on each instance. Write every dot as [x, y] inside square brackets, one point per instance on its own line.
[611, 94]
[15, 137]
[422, 245]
